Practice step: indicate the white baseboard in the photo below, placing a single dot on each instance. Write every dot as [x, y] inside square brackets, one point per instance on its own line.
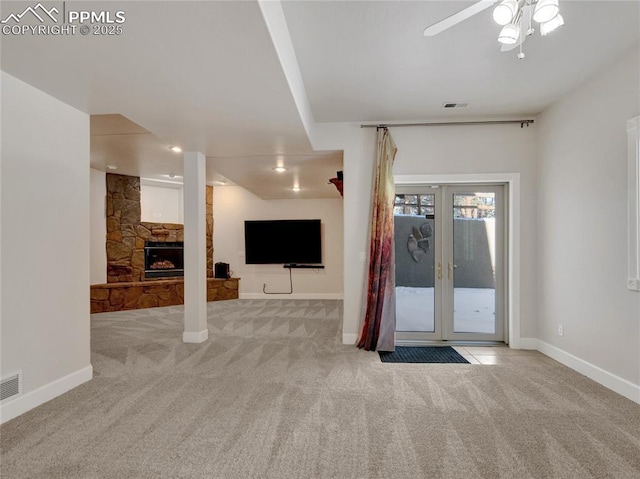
[349, 338]
[20, 404]
[292, 296]
[195, 336]
[599, 375]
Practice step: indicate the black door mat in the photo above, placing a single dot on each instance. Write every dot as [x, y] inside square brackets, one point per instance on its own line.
[427, 354]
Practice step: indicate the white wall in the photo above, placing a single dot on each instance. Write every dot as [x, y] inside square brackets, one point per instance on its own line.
[433, 151]
[582, 222]
[98, 191]
[45, 245]
[359, 147]
[232, 205]
[161, 203]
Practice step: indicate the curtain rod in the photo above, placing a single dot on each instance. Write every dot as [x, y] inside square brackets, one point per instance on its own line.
[523, 123]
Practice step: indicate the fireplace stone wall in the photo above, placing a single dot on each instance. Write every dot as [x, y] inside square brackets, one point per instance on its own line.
[126, 233]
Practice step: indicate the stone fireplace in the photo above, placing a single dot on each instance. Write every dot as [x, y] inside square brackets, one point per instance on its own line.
[141, 255]
[127, 234]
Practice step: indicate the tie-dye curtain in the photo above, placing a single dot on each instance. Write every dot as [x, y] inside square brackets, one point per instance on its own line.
[379, 310]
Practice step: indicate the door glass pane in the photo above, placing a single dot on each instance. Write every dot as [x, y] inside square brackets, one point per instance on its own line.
[427, 200]
[415, 260]
[428, 210]
[411, 210]
[474, 263]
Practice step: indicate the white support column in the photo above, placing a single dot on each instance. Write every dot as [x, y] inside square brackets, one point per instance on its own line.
[195, 249]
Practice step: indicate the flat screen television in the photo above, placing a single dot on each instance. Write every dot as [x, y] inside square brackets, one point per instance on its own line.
[282, 242]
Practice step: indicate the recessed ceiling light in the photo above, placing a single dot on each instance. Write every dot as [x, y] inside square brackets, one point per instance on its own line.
[279, 169]
[111, 167]
[295, 188]
[175, 149]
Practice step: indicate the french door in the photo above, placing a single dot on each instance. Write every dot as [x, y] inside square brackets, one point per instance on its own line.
[450, 262]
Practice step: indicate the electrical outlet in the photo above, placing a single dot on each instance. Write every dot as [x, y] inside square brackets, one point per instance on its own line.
[560, 330]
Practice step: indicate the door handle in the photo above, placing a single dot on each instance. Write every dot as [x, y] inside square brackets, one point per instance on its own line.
[451, 268]
[439, 270]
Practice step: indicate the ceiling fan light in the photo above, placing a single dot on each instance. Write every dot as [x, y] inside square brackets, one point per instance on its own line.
[509, 34]
[551, 25]
[545, 10]
[505, 12]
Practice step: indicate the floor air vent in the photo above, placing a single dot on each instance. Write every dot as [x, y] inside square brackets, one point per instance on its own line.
[10, 386]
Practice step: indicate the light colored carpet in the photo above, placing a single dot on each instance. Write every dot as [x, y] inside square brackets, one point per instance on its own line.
[273, 394]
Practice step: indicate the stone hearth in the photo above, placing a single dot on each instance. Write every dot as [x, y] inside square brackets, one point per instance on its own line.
[153, 293]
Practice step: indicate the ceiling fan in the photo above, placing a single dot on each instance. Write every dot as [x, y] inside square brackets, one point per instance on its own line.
[515, 16]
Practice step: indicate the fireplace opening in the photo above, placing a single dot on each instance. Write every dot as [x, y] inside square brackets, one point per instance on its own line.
[163, 259]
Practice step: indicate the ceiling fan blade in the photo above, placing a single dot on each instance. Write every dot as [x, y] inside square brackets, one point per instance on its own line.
[458, 17]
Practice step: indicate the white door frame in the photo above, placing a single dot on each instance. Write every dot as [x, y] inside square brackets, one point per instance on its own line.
[410, 337]
[512, 180]
[449, 319]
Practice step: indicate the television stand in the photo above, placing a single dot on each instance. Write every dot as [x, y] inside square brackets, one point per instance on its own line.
[303, 266]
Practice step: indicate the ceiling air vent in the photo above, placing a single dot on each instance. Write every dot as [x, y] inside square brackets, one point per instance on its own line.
[455, 104]
[10, 386]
